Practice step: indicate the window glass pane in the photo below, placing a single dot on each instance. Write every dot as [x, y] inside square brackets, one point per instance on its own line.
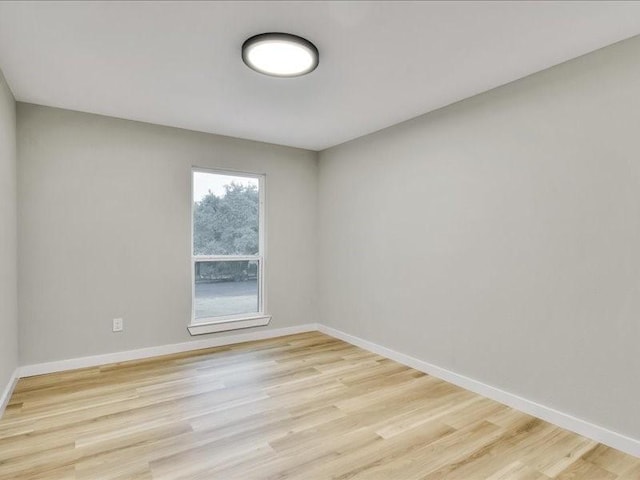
[226, 288]
[225, 214]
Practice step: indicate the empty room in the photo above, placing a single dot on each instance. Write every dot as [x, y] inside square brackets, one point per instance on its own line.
[381, 240]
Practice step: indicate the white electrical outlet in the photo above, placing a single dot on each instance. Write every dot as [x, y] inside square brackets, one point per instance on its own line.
[118, 324]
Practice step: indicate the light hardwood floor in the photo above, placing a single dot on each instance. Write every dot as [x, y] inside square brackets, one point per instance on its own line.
[304, 406]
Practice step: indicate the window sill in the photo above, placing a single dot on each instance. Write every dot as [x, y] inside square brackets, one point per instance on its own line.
[226, 325]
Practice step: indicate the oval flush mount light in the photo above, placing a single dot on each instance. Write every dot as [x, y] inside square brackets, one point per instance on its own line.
[280, 54]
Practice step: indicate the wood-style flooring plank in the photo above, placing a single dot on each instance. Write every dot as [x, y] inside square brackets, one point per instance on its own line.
[303, 406]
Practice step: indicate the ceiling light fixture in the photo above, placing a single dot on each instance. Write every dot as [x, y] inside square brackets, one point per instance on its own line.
[280, 54]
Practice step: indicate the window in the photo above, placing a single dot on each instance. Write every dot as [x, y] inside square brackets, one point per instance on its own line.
[227, 251]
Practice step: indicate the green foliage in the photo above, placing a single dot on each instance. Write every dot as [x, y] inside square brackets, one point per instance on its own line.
[227, 225]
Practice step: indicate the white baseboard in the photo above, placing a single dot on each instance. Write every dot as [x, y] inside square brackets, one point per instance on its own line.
[8, 390]
[569, 422]
[95, 360]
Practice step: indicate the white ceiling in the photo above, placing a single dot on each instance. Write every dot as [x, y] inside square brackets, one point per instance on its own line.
[178, 63]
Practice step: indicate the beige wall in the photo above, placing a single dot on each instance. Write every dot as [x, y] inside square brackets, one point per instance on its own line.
[8, 246]
[104, 230]
[500, 237]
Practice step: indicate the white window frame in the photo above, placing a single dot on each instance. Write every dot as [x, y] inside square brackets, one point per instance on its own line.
[242, 320]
